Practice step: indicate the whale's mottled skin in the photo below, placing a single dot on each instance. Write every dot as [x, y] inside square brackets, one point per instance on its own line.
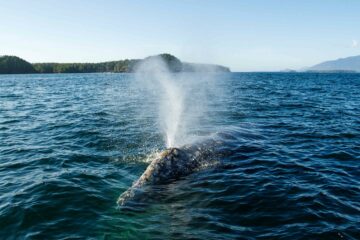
[172, 164]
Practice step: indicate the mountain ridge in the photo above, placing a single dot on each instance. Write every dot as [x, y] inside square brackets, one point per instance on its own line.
[351, 64]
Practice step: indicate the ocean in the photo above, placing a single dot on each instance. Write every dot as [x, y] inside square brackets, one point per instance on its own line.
[70, 144]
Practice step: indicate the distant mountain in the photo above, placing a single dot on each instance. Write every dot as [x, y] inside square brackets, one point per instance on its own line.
[12, 64]
[349, 64]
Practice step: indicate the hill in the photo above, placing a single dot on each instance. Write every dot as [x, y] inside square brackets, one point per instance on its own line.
[349, 64]
[12, 64]
[127, 65]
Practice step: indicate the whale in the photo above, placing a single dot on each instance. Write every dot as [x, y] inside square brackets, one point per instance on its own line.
[171, 165]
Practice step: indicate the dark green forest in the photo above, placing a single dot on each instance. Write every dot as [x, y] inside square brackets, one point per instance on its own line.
[113, 66]
[13, 64]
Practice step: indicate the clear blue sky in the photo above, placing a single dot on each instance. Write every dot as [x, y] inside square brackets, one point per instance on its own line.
[246, 35]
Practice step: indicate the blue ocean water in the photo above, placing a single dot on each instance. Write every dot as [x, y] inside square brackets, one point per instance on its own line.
[70, 144]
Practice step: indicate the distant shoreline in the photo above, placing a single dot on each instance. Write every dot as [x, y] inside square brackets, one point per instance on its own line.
[252, 72]
[16, 65]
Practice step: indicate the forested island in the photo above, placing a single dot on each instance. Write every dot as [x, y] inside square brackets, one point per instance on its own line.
[16, 65]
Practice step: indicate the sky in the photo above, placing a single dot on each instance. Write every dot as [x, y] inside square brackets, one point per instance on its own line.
[245, 35]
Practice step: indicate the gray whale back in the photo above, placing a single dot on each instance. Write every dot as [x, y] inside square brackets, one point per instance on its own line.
[172, 164]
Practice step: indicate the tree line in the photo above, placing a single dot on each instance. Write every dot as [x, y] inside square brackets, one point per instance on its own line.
[13, 64]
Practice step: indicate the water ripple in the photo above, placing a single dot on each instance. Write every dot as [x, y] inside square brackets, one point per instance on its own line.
[71, 143]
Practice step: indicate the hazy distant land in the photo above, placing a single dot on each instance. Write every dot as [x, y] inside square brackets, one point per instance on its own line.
[341, 65]
[16, 65]
[349, 64]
